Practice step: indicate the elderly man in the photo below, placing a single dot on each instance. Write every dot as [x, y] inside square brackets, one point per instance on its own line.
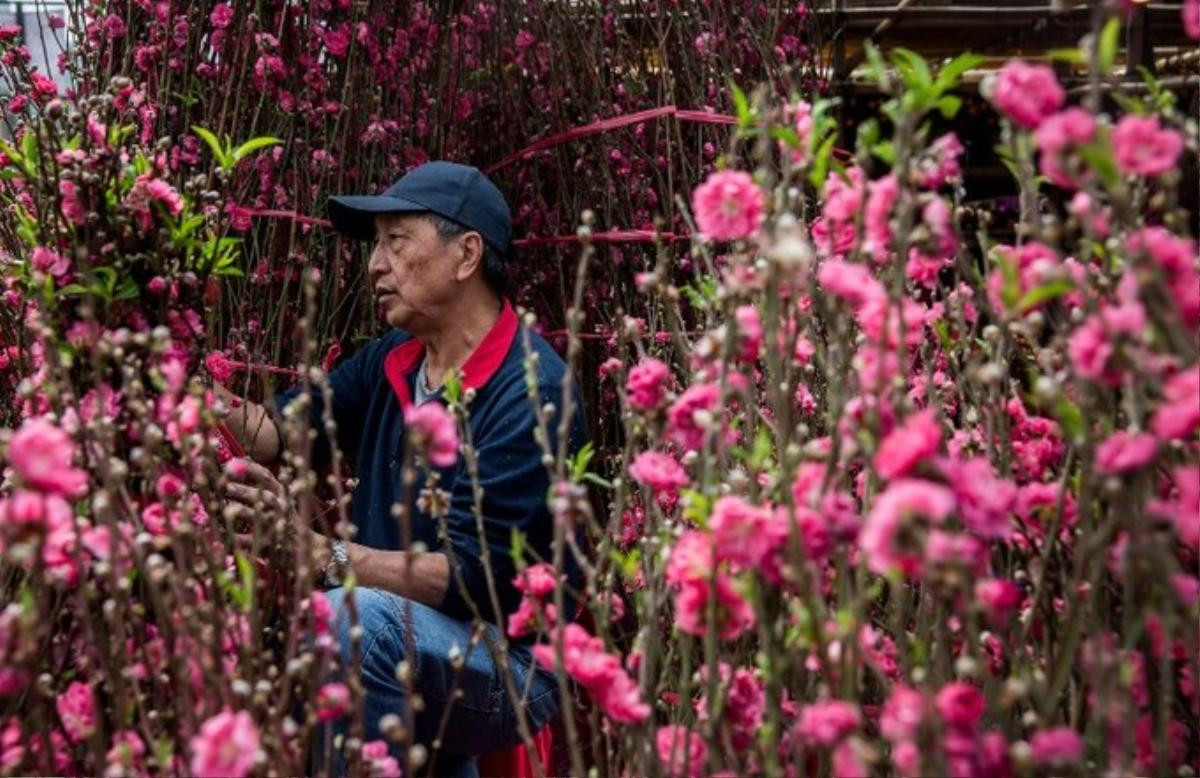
[440, 234]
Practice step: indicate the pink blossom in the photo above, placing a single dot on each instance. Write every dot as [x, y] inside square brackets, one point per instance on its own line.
[647, 383]
[226, 745]
[960, 705]
[114, 26]
[985, 501]
[536, 580]
[661, 472]
[844, 196]
[878, 214]
[749, 331]
[939, 164]
[1179, 415]
[1027, 93]
[380, 762]
[1142, 147]
[72, 209]
[433, 433]
[1191, 18]
[49, 261]
[1123, 452]
[691, 559]
[221, 16]
[333, 700]
[745, 700]
[77, 710]
[1094, 217]
[743, 533]
[42, 454]
[902, 713]
[907, 445]
[126, 753]
[689, 415]
[23, 513]
[1060, 135]
[851, 282]
[728, 206]
[1176, 256]
[1057, 746]
[681, 752]
[337, 40]
[600, 672]
[735, 614]
[826, 723]
[1090, 352]
[219, 366]
[883, 539]
[802, 124]
[998, 598]
[955, 550]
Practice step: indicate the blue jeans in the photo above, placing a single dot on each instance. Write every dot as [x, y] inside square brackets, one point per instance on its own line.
[482, 720]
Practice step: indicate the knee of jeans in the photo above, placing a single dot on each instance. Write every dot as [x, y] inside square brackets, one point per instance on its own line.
[377, 616]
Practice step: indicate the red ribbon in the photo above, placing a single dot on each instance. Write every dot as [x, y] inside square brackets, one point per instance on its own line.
[575, 133]
[612, 236]
[604, 125]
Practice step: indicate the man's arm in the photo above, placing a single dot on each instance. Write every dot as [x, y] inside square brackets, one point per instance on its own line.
[252, 426]
[420, 576]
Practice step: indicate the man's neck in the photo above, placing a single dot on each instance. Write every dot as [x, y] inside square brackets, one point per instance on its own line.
[448, 348]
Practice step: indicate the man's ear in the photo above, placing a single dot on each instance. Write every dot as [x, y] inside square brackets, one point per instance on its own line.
[471, 245]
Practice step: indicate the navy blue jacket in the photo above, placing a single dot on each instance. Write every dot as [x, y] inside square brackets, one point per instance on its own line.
[369, 391]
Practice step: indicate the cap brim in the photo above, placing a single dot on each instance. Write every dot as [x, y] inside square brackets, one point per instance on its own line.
[354, 215]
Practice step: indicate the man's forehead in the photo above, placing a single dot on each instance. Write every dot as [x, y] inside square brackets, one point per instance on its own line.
[385, 220]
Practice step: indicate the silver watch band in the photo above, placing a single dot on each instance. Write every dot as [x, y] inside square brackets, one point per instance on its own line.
[335, 569]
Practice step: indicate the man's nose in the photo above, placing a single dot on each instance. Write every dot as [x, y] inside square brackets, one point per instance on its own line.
[377, 265]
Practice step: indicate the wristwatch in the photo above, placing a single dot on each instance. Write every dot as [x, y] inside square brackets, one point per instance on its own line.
[335, 569]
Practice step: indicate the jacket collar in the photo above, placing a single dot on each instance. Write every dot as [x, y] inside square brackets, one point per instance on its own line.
[483, 363]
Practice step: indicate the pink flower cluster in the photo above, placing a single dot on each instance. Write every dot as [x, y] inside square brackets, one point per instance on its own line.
[598, 671]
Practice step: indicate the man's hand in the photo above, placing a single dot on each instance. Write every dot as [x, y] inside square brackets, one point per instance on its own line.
[253, 489]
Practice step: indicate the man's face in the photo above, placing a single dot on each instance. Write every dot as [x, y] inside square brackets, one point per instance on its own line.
[412, 270]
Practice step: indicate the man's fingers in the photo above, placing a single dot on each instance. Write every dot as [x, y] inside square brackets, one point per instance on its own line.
[253, 495]
[247, 471]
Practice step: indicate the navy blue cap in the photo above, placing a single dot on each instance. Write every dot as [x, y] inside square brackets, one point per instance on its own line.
[460, 193]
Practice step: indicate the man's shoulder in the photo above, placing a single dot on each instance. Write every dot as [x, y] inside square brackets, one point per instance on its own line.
[549, 367]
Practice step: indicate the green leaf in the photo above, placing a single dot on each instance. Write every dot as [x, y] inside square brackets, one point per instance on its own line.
[1070, 417]
[579, 462]
[517, 546]
[1071, 56]
[787, 135]
[127, 289]
[215, 146]
[697, 506]
[1101, 160]
[253, 145]
[952, 71]
[1010, 289]
[17, 157]
[1106, 53]
[885, 151]
[913, 68]
[762, 448]
[741, 106]
[29, 148]
[246, 573]
[1129, 103]
[1040, 294]
[878, 68]
[820, 165]
[948, 105]
[595, 480]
